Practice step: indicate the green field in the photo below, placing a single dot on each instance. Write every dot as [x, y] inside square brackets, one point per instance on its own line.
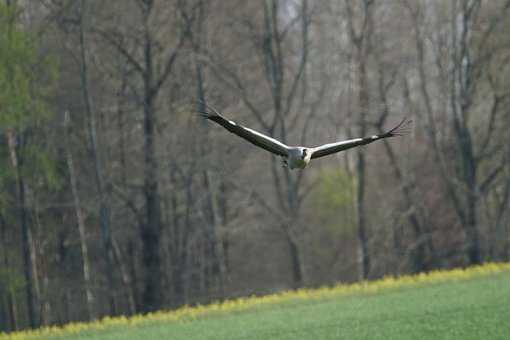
[476, 307]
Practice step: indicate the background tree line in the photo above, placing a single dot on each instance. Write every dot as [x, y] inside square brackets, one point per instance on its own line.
[117, 198]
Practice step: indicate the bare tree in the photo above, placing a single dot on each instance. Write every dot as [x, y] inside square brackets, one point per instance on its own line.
[80, 221]
[104, 210]
[153, 67]
[286, 82]
[10, 321]
[466, 68]
[212, 182]
[186, 214]
[360, 39]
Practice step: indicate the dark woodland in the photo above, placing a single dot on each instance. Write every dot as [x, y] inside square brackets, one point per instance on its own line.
[117, 197]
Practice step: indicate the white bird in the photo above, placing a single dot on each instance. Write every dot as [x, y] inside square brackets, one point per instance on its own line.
[297, 156]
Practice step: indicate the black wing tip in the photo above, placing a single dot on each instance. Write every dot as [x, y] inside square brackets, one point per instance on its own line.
[403, 128]
[206, 110]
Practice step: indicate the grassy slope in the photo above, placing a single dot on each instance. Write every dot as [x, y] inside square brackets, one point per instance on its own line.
[458, 304]
[477, 308]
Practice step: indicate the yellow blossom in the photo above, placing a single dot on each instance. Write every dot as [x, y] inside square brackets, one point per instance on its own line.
[187, 313]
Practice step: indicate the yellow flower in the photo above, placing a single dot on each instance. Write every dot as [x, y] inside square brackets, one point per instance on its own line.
[187, 313]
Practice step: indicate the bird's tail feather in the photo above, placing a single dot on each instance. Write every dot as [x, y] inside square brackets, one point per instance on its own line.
[403, 128]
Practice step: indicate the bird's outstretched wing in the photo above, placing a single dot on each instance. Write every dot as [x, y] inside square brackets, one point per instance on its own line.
[252, 136]
[327, 149]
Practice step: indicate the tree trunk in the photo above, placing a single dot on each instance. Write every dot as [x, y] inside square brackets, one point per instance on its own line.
[104, 212]
[462, 91]
[133, 273]
[151, 230]
[423, 239]
[11, 320]
[213, 234]
[215, 220]
[502, 223]
[126, 278]
[364, 256]
[13, 312]
[297, 272]
[91, 310]
[4, 312]
[292, 203]
[472, 233]
[360, 40]
[12, 142]
[26, 251]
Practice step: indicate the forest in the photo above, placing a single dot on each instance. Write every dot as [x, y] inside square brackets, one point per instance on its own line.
[118, 198]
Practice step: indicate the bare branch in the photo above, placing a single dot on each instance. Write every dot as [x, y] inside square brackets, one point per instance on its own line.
[231, 79]
[109, 37]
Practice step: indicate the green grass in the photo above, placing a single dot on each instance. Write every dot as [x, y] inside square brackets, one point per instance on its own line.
[473, 308]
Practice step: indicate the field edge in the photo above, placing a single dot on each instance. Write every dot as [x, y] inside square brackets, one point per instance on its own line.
[187, 313]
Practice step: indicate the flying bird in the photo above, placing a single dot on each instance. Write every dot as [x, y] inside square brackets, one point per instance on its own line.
[297, 157]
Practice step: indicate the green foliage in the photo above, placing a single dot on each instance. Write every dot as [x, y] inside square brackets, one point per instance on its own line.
[11, 282]
[25, 80]
[40, 164]
[16, 56]
[333, 200]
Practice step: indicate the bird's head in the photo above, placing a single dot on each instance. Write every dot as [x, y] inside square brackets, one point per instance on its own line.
[303, 153]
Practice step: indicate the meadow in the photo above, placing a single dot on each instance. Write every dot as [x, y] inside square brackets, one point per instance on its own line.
[473, 303]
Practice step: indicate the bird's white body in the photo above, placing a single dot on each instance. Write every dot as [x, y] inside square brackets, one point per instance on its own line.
[298, 157]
